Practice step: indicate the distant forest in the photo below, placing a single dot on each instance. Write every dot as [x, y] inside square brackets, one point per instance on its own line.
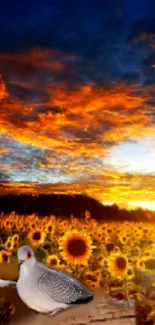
[65, 205]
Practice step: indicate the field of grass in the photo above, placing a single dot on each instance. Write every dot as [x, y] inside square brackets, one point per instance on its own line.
[119, 256]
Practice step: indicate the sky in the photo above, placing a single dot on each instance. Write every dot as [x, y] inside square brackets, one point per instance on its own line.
[77, 105]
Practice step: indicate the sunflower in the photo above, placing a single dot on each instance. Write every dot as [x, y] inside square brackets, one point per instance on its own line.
[63, 268]
[98, 235]
[93, 223]
[37, 237]
[22, 229]
[63, 225]
[7, 223]
[130, 273]
[13, 215]
[32, 225]
[147, 253]
[103, 228]
[103, 262]
[123, 239]
[141, 264]
[117, 265]
[109, 247]
[92, 278]
[44, 221]
[107, 239]
[53, 219]
[20, 221]
[20, 224]
[49, 228]
[135, 247]
[134, 262]
[9, 245]
[76, 247]
[91, 233]
[84, 227]
[4, 257]
[15, 238]
[53, 260]
[74, 221]
[116, 250]
[109, 230]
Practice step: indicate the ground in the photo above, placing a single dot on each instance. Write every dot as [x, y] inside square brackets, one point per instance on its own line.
[102, 310]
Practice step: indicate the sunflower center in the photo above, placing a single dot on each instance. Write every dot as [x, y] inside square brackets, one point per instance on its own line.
[36, 235]
[76, 247]
[5, 257]
[110, 247]
[91, 277]
[129, 272]
[53, 261]
[49, 228]
[121, 263]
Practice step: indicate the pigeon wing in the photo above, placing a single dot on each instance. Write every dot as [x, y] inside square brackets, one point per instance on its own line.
[63, 288]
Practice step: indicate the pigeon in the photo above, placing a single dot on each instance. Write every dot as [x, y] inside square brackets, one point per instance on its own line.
[47, 290]
[7, 283]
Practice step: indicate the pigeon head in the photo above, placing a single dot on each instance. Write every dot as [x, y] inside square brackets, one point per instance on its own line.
[24, 254]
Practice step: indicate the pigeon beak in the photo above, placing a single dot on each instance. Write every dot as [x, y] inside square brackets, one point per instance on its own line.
[21, 262]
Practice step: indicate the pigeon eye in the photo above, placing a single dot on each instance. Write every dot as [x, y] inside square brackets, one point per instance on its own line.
[29, 254]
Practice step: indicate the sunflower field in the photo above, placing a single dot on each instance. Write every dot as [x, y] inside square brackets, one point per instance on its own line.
[118, 256]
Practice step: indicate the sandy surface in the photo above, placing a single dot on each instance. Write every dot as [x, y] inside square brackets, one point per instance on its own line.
[100, 311]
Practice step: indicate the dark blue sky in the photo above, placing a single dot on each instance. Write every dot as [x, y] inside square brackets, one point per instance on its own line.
[100, 33]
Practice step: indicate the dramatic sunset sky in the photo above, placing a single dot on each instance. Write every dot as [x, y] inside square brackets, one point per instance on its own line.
[77, 99]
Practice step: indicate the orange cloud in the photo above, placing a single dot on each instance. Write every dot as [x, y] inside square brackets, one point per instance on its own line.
[39, 58]
[86, 118]
[8, 167]
[78, 123]
[143, 37]
[3, 150]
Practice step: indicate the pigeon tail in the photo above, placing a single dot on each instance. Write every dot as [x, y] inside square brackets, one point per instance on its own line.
[82, 300]
[7, 283]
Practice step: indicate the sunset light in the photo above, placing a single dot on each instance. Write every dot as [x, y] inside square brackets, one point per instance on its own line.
[65, 129]
[77, 161]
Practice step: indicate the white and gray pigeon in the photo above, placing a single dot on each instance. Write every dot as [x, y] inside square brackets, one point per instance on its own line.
[47, 290]
[7, 283]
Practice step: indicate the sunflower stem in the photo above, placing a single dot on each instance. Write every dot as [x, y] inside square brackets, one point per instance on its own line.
[125, 282]
[77, 270]
[126, 287]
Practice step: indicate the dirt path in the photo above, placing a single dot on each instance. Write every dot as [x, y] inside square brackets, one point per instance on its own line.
[100, 311]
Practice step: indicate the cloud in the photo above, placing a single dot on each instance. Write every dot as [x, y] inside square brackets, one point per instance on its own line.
[143, 30]
[3, 175]
[80, 120]
[66, 131]
[65, 107]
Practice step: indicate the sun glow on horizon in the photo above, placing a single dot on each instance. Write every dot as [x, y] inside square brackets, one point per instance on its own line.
[145, 205]
[148, 205]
